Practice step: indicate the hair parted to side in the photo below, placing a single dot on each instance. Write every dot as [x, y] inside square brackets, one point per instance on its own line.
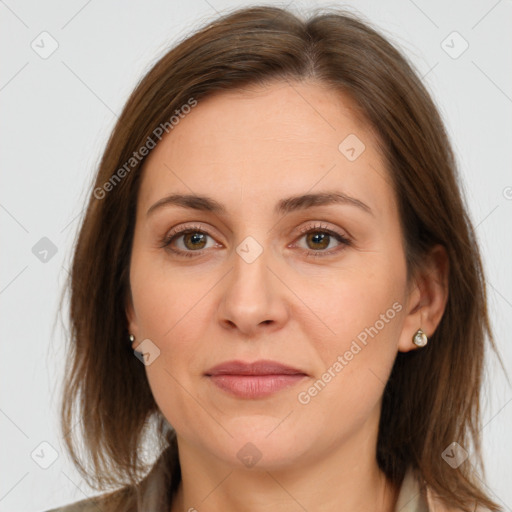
[432, 396]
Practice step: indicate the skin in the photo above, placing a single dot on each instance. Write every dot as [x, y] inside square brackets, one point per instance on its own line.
[248, 149]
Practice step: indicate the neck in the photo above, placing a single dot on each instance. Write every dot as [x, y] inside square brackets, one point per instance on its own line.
[346, 479]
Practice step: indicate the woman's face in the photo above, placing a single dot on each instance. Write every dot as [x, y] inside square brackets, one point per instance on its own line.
[271, 268]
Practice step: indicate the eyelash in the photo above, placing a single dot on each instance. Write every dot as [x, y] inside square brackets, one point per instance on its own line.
[168, 239]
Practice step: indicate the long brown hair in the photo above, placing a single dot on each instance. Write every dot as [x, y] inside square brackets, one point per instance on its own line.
[432, 397]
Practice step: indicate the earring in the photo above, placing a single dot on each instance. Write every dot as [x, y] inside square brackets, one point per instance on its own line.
[420, 338]
[131, 338]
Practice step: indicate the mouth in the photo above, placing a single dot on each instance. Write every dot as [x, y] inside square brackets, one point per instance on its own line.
[259, 379]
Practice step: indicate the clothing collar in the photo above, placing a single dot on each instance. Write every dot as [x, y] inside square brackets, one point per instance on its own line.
[411, 497]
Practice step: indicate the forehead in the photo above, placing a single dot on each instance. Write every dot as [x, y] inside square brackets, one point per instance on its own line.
[265, 140]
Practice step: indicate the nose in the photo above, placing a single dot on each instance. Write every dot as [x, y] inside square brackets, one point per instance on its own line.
[253, 298]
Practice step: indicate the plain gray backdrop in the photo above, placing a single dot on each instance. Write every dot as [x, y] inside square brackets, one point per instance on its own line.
[67, 70]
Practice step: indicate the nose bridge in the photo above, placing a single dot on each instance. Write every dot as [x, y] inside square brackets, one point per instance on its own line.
[249, 281]
[252, 295]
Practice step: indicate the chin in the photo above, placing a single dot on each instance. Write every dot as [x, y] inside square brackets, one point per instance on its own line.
[262, 444]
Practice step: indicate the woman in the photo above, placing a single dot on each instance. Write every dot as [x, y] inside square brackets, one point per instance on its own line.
[277, 233]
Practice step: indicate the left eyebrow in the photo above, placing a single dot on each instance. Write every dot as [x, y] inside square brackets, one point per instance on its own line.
[302, 202]
[284, 206]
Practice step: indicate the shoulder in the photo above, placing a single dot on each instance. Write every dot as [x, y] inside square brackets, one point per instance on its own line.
[86, 505]
[435, 504]
[152, 493]
[416, 496]
[108, 502]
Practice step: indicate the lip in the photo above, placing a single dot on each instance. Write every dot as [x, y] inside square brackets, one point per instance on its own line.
[261, 367]
[254, 380]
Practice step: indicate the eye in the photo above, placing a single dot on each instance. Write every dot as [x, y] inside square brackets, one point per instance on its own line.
[320, 238]
[189, 240]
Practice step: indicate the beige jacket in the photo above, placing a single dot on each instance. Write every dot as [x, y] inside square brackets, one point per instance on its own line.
[412, 496]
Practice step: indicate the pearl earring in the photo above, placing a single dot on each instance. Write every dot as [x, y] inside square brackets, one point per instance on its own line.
[131, 338]
[420, 338]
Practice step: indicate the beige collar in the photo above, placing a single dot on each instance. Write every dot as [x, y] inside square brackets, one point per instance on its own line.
[411, 497]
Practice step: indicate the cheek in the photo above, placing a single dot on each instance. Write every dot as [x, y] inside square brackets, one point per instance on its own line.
[171, 311]
[363, 304]
[173, 376]
[364, 320]
[356, 364]
[165, 301]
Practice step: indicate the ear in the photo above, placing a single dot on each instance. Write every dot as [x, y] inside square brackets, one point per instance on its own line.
[426, 299]
[132, 319]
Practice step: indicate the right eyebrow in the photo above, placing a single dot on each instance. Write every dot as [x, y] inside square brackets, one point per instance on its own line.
[191, 201]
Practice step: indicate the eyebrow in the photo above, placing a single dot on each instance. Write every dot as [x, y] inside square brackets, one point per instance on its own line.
[284, 206]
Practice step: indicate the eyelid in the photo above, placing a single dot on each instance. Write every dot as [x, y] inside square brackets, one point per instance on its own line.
[186, 227]
[181, 230]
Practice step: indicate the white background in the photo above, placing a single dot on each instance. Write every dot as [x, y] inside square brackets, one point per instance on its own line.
[58, 112]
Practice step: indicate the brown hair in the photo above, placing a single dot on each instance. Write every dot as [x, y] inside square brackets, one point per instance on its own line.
[432, 396]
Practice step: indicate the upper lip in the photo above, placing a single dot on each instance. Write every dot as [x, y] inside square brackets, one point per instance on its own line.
[262, 367]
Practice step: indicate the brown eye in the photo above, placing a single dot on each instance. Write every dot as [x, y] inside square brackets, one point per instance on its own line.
[318, 240]
[187, 242]
[194, 240]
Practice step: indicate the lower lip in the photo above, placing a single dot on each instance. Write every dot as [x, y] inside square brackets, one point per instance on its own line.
[255, 386]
